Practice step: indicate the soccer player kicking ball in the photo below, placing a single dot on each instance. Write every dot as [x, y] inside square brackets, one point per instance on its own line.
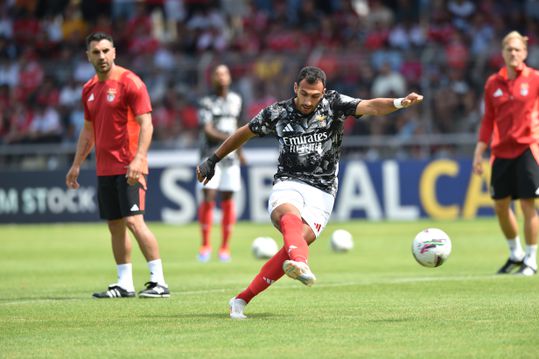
[309, 128]
[118, 121]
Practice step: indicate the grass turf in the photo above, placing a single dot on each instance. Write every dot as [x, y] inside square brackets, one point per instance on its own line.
[373, 302]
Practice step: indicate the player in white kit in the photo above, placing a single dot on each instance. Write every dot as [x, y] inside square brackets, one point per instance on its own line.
[219, 114]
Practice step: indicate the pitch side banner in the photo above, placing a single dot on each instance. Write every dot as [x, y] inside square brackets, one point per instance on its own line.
[394, 190]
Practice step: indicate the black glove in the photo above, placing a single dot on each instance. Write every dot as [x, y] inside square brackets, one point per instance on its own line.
[206, 170]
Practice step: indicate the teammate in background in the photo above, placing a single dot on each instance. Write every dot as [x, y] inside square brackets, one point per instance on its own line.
[219, 115]
[510, 125]
[309, 128]
[118, 121]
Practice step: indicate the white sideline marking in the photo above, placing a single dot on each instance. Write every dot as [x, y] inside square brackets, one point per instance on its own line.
[361, 282]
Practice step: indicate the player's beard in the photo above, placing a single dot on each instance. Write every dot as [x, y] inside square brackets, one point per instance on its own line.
[103, 67]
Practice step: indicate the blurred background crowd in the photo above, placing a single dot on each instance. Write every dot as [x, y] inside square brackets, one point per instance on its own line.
[444, 49]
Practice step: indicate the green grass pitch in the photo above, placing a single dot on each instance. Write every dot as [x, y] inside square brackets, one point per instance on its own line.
[373, 302]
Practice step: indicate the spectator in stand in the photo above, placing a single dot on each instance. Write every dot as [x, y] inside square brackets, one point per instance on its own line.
[20, 118]
[31, 74]
[46, 126]
[388, 83]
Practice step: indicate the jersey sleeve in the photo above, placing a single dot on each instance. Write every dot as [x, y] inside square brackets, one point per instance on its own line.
[343, 105]
[84, 100]
[262, 124]
[204, 112]
[137, 95]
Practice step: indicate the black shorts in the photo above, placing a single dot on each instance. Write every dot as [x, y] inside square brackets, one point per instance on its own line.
[117, 199]
[515, 177]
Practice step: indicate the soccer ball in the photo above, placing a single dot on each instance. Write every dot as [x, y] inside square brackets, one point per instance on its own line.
[431, 247]
[264, 247]
[341, 241]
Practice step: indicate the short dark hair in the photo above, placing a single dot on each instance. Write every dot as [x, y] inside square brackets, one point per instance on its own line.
[311, 74]
[98, 36]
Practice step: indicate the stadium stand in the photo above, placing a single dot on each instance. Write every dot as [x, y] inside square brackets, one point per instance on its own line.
[442, 48]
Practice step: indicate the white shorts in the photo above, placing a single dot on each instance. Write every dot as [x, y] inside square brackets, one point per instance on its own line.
[314, 205]
[226, 179]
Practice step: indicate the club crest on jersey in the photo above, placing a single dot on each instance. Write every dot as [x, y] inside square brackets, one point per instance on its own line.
[321, 119]
[111, 94]
[524, 89]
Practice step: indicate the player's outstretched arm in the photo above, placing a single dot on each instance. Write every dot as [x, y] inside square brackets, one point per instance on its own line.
[206, 169]
[384, 106]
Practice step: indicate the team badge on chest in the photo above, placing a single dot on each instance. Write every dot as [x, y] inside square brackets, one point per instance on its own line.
[524, 89]
[321, 120]
[111, 94]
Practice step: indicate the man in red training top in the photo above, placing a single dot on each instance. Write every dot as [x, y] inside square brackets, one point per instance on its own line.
[118, 122]
[510, 125]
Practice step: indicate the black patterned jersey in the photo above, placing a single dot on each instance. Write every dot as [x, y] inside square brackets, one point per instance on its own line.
[224, 114]
[309, 145]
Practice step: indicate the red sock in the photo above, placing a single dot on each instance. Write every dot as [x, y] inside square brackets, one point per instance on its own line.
[292, 230]
[269, 273]
[227, 224]
[205, 218]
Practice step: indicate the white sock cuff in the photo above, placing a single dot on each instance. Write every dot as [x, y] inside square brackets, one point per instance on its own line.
[156, 271]
[125, 276]
[155, 262]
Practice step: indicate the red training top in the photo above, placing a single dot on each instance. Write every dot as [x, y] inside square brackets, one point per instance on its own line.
[112, 106]
[511, 116]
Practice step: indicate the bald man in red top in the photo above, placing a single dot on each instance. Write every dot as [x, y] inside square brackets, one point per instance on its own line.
[511, 124]
[118, 122]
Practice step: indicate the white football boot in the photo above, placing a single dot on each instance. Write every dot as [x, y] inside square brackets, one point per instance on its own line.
[236, 308]
[299, 271]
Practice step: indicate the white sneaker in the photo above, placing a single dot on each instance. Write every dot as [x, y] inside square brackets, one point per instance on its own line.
[526, 270]
[236, 308]
[299, 271]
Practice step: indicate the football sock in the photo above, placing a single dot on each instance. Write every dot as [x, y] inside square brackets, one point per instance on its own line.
[269, 273]
[292, 230]
[205, 218]
[156, 272]
[531, 256]
[515, 248]
[125, 276]
[229, 218]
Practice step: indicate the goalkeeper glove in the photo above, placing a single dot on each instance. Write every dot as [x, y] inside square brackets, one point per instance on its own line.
[206, 170]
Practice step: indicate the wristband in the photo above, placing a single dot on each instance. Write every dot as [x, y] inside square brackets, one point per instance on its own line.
[214, 158]
[398, 102]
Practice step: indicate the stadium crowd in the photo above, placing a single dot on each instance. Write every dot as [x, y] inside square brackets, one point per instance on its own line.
[444, 49]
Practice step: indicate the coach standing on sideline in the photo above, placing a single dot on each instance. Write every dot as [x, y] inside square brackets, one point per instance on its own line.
[117, 119]
[510, 124]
